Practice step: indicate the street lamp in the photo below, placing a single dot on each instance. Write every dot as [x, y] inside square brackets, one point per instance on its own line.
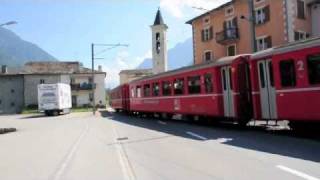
[8, 23]
[111, 46]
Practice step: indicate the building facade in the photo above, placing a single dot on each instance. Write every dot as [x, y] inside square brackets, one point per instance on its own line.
[127, 76]
[226, 30]
[20, 89]
[11, 93]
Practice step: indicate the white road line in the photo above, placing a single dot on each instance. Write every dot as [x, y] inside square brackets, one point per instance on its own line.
[297, 173]
[123, 158]
[161, 122]
[196, 135]
[71, 153]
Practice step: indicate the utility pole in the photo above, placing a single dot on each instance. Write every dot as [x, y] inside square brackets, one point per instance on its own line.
[93, 82]
[93, 85]
[252, 26]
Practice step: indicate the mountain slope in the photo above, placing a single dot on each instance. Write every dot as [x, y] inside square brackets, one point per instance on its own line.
[16, 52]
[179, 56]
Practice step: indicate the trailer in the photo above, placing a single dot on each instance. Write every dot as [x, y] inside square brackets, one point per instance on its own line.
[54, 99]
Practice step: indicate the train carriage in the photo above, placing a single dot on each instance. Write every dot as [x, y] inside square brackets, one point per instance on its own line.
[219, 89]
[120, 98]
[286, 82]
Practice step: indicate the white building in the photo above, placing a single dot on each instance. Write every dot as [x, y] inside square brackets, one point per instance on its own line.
[79, 78]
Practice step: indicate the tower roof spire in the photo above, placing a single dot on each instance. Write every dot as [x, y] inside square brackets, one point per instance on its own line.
[158, 20]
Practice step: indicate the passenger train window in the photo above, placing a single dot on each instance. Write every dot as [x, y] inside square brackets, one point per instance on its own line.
[166, 88]
[288, 73]
[208, 83]
[146, 90]
[224, 80]
[179, 86]
[132, 92]
[194, 85]
[271, 74]
[156, 89]
[138, 91]
[230, 79]
[314, 69]
[262, 78]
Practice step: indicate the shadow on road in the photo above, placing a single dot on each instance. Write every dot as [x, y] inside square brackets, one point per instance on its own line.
[254, 138]
[34, 116]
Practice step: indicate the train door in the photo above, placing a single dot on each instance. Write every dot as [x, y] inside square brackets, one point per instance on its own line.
[227, 91]
[267, 90]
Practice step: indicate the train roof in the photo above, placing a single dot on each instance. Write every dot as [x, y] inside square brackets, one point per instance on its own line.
[219, 62]
[294, 46]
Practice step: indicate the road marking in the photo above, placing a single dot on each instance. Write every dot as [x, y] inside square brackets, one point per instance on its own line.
[126, 168]
[71, 153]
[161, 122]
[297, 173]
[196, 135]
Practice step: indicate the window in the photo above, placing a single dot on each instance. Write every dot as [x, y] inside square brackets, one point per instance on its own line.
[166, 88]
[208, 83]
[271, 74]
[207, 56]
[91, 97]
[156, 89]
[264, 43]
[314, 69]
[12, 90]
[207, 34]
[206, 20]
[12, 104]
[300, 9]
[132, 92]
[146, 90]
[72, 80]
[262, 15]
[194, 85]
[262, 78]
[288, 73]
[229, 11]
[157, 36]
[138, 91]
[300, 35]
[179, 86]
[231, 50]
[90, 80]
[158, 47]
[42, 81]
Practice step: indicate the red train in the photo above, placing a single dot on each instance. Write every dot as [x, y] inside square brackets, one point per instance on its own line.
[281, 83]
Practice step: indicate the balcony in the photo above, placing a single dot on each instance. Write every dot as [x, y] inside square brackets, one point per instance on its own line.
[227, 36]
[82, 86]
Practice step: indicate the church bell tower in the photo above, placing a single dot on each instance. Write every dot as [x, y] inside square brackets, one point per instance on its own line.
[159, 45]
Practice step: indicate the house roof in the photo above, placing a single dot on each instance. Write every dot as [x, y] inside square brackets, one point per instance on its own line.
[46, 67]
[215, 9]
[159, 19]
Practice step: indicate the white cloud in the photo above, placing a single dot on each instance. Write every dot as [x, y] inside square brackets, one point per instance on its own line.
[122, 61]
[178, 8]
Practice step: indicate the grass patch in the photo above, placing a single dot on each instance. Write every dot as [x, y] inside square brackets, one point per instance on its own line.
[30, 111]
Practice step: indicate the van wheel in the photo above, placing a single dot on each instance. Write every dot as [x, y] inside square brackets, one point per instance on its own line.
[55, 113]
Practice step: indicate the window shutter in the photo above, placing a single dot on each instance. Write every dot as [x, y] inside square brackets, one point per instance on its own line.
[202, 35]
[235, 22]
[269, 42]
[211, 32]
[307, 35]
[225, 25]
[267, 13]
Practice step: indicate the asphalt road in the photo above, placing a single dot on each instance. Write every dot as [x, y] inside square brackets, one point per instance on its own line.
[113, 146]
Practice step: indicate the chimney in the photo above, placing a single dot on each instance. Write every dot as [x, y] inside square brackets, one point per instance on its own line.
[100, 68]
[4, 69]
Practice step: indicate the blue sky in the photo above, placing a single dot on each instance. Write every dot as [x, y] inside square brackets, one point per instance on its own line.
[66, 28]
